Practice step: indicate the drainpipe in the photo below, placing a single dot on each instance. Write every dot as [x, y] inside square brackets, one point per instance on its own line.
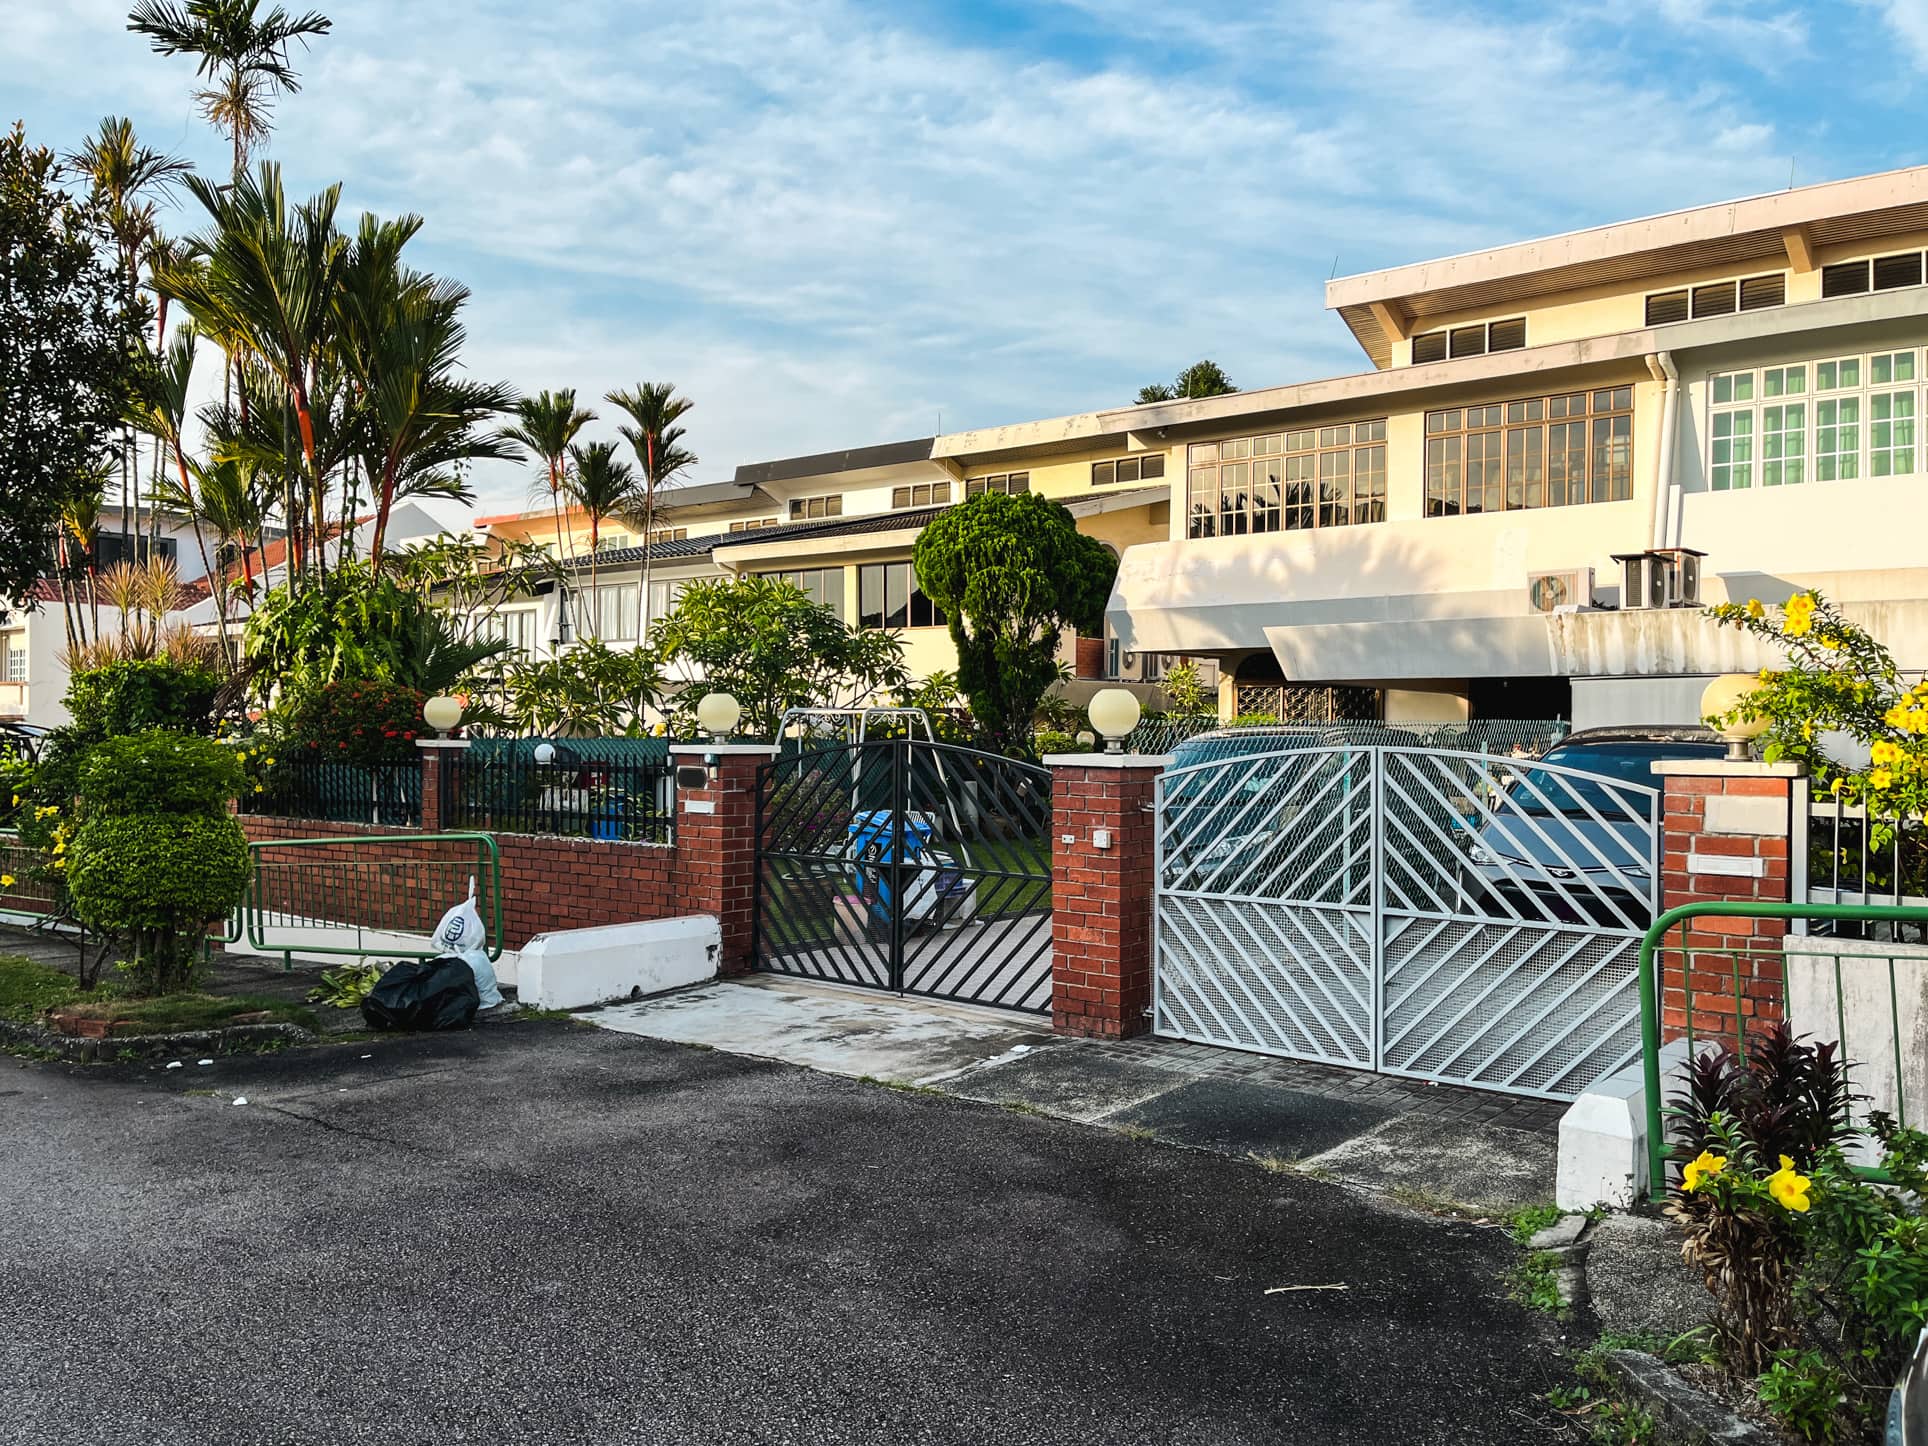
[1666, 484]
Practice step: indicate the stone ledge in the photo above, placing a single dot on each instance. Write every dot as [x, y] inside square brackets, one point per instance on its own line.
[1681, 1407]
[1726, 768]
[1106, 760]
[150, 1046]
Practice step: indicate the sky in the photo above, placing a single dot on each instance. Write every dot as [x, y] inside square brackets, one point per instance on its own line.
[834, 223]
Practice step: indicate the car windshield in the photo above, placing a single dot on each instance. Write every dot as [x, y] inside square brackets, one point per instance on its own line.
[1542, 791]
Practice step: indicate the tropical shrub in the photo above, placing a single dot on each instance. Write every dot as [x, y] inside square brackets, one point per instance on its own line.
[135, 694]
[1011, 573]
[357, 625]
[358, 722]
[154, 856]
[591, 691]
[1188, 695]
[764, 641]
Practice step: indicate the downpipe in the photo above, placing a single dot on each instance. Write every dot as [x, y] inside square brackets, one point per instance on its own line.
[1666, 483]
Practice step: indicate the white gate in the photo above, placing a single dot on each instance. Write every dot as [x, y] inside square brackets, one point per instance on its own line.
[1451, 916]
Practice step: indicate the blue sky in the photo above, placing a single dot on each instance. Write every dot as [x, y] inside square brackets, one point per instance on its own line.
[834, 223]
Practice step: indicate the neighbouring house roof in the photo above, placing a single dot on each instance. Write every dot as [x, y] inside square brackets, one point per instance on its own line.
[1772, 229]
[825, 464]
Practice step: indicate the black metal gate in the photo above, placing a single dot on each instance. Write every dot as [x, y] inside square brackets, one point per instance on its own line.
[916, 867]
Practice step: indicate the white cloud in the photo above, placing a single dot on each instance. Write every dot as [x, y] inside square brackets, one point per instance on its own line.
[1908, 19]
[827, 224]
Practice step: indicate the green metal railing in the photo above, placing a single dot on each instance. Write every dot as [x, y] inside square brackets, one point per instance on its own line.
[357, 887]
[1741, 973]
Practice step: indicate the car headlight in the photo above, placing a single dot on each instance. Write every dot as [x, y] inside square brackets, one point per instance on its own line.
[1479, 853]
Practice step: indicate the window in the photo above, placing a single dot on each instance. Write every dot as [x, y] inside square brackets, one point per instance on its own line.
[1717, 298]
[1892, 272]
[1129, 469]
[112, 547]
[1331, 476]
[514, 626]
[16, 659]
[1828, 420]
[668, 534]
[888, 597]
[1844, 279]
[824, 586]
[1006, 482]
[663, 597]
[1879, 273]
[1474, 340]
[609, 612]
[753, 524]
[1534, 452]
[921, 494]
[810, 508]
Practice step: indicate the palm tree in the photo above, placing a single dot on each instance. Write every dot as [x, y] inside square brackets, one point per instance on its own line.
[601, 484]
[266, 281]
[79, 523]
[241, 53]
[400, 337]
[222, 497]
[546, 424]
[158, 409]
[655, 409]
[124, 176]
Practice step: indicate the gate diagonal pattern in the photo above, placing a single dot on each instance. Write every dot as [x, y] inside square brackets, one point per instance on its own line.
[902, 864]
[1446, 915]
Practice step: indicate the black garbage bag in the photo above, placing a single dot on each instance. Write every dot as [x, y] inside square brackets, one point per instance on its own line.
[423, 994]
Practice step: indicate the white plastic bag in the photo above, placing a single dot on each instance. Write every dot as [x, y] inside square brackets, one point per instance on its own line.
[461, 933]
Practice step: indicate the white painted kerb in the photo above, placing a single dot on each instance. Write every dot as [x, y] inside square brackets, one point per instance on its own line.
[571, 968]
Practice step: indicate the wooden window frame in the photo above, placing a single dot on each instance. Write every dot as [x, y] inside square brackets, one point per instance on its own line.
[1475, 447]
[1280, 481]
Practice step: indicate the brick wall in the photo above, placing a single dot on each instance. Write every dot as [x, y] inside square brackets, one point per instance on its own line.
[547, 883]
[1725, 836]
[1101, 899]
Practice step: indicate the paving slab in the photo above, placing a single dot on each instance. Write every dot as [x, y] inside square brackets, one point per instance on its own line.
[833, 1028]
[1073, 1081]
[1464, 1162]
[1237, 1117]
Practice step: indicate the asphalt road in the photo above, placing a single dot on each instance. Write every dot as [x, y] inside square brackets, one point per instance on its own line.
[542, 1233]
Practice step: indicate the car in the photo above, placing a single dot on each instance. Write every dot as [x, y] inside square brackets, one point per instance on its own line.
[1569, 837]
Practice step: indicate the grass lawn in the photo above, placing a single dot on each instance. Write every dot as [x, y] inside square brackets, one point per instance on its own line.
[28, 990]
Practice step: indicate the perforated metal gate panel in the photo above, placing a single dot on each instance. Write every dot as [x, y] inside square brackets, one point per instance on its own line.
[1452, 916]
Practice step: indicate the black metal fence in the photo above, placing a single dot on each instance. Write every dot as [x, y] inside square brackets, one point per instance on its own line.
[389, 794]
[617, 789]
[1855, 856]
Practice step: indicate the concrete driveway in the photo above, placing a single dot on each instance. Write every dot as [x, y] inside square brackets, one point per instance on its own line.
[545, 1233]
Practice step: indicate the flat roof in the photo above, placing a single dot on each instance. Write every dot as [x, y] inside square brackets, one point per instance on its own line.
[1752, 228]
[825, 464]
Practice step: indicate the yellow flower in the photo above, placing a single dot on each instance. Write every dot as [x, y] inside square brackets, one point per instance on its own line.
[6, 881]
[1896, 717]
[1789, 1187]
[1797, 625]
[259, 788]
[1801, 602]
[267, 763]
[1698, 1171]
[1828, 640]
[1880, 779]
[1754, 608]
[240, 757]
[1885, 752]
[1835, 787]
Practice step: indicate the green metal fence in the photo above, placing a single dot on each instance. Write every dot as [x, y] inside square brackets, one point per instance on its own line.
[354, 896]
[1722, 983]
[30, 894]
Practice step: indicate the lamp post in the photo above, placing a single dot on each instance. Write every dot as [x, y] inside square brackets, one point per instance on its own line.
[1114, 712]
[1719, 700]
[717, 714]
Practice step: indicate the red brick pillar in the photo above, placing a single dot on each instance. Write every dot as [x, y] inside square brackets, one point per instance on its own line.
[435, 753]
[1725, 832]
[716, 840]
[1102, 875]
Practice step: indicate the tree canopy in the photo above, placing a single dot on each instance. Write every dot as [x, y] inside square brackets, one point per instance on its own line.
[1201, 379]
[1011, 572]
[764, 641]
[65, 370]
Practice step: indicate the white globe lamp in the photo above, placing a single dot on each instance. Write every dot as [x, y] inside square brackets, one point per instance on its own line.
[717, 714]
[1719, 699]
[1114, 712]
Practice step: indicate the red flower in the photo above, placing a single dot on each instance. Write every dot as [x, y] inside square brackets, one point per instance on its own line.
[388, 733]
[342, 746]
